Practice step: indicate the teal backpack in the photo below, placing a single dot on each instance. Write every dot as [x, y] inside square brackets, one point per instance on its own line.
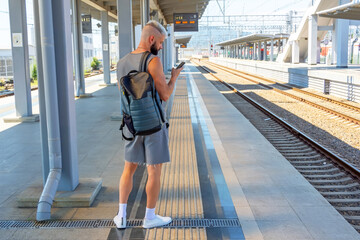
[141, 104]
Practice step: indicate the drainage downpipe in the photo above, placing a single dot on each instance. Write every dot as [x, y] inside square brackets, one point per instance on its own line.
[52, 111]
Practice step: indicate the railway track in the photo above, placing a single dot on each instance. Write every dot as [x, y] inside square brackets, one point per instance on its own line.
[336, 179]
[341, 110]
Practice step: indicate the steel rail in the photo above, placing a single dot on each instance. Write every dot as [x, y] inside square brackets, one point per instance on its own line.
[342, 163]
[286, 86]
[333, 112]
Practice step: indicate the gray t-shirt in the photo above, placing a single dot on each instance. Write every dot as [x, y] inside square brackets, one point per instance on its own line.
[130, 62]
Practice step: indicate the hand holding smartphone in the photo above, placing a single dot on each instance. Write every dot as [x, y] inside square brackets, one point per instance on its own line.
[180, 65]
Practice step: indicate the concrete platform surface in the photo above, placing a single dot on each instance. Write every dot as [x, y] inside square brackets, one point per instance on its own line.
[272, 199]
[268, 196]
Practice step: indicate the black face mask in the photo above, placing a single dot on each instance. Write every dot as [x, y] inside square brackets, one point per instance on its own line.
[153, 49]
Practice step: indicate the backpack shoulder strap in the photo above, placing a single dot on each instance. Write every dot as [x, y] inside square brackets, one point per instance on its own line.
[143, 62]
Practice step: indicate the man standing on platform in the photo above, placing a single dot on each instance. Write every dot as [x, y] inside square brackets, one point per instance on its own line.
[153, 149]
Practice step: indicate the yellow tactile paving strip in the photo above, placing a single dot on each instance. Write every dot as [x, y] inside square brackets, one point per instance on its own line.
[180, 195]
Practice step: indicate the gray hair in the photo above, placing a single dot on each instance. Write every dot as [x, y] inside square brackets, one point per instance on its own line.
[157, 26]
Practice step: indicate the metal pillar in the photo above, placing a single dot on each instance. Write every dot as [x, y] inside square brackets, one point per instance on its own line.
[78, 48]
[20, 56]
[272, 50]
[66, 101]
[295, 52]
[145, 12]
[105, 46]
[312, 39]
[124, 21]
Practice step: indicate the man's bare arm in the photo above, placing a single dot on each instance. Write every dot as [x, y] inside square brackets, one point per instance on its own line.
[164, 89]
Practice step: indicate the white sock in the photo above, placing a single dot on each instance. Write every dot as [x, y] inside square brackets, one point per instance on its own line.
[150, 213]
[122, 210]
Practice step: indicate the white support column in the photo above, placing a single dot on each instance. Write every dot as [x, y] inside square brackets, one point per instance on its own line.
[259, 51]
[318, 49]
[170, 47]
[254, 52]
[272, 50]
[265, 51]
[124, 21]
[20, 55]
[295, 52]
[333, 44]
[312, 40]
[105, 46]
[341, 41]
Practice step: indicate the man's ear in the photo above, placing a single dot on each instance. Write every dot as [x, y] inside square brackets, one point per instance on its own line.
[152, 39]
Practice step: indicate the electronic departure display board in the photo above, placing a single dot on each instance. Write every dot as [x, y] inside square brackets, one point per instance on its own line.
[183, 45]
[86, 23]
[186, 22]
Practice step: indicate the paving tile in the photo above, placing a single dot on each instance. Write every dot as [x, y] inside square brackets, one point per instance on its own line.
[274, 213]
[283, 230]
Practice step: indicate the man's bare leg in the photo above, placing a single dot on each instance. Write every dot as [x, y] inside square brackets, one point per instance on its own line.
[126, 181]
[152, 191]
[153, 185]
[125, 187]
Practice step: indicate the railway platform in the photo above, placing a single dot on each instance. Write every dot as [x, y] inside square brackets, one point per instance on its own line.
[225, 180]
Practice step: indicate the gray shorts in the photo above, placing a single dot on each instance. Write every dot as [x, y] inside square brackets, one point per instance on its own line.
[149, 149]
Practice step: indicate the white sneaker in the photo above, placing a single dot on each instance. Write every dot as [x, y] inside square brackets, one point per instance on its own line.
[120, 222]
[156, 222]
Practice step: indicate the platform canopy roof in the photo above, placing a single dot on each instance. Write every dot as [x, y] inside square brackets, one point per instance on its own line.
[183, 39]
[163, 8]
[257, 37]
[346, 11]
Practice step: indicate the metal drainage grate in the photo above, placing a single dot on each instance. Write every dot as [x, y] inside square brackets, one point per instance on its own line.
[176, 223]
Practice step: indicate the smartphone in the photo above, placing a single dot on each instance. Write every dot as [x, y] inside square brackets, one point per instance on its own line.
[180, 65]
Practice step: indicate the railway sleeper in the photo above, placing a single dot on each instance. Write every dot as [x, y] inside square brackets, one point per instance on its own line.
[348, 209]
[320, 161]
[302, 157]
[294, 154]
[318, 171]
[350, 185]
[291, 144]
[340, 174]
[293, 151]
[280, 138]
[347, 193]
[333, 181]
[345, 201]
[352, 218]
